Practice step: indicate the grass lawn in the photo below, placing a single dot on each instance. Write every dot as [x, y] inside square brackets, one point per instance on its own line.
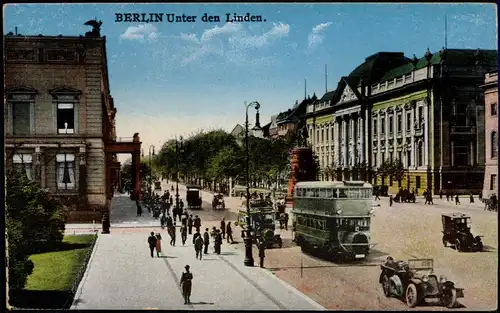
[57, 270]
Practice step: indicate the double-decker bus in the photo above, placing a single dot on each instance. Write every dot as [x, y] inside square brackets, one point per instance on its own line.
[333, 217]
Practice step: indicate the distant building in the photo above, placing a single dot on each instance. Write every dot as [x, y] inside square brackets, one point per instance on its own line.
[490, 185]
[60, 120]
[273, 127]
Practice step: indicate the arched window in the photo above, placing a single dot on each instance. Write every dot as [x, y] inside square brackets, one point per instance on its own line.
[494, 145]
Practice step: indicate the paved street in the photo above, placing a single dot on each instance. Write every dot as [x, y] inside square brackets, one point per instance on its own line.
[121, 268]
[403, 231]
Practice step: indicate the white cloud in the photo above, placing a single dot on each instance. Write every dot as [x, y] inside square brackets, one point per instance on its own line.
[155, 130]
[232, 41]
[140, 32]
[315, 38]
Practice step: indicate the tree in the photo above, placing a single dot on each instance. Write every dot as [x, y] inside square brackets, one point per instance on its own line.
[394, 169]
[398, 171]
[127, 173]
[35, 222]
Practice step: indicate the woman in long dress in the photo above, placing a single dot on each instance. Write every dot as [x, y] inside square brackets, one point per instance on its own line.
[186, 284]
[158, 244]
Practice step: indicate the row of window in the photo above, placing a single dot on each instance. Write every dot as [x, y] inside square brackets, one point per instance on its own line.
[22, 118]
[399, 123]
[334, 193]
[321, 223]
[494, 144]
[65, 168]
[404, 157]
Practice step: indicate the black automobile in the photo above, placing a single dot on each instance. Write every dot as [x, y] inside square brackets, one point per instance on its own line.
[414, 281]
[457, 233]
[193, 197]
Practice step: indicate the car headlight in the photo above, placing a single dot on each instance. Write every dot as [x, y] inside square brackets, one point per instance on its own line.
[371, 211]
[339, 211]
[425, 278]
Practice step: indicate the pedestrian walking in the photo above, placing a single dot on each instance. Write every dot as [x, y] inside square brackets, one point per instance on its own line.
[183, 234]
[163, 221]
[169, 222]
[171, 232]
[447, 196]
[190, 224]
[286, 221]
[206, 241]
[197, 223]
[139, 208]
[480, 196]
[390, 200]
[152, 243]
[186, 284]
[218, 241]
[262, 252]
[377, 195]
[223, 228]
[196, 235]
[440, 194]
[457, 200]
[183, 220]
[282, 220]
[229, 232]
[158, 244]
[198, 247]
[471, 198]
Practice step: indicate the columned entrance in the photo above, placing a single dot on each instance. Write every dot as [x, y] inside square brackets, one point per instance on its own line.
[121, 145]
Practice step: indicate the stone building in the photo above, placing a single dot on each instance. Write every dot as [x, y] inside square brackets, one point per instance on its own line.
[490, 185]
[429, 114]
[60, 120]
[320, 122]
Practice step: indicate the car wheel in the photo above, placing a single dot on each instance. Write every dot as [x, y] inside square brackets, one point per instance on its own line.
[411, 296]
[458, 245]
[449, 298]
[386, 286]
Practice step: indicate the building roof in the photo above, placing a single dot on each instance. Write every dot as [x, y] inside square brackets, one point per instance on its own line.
[327, 96]
[375, 66]
[299, 110]
[451, 57]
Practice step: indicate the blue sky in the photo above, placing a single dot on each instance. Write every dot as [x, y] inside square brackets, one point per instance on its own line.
[175, 78]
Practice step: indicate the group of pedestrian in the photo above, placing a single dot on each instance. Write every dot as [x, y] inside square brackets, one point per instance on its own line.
[154, 242]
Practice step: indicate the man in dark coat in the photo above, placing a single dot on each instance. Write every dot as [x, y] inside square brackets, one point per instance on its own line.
[223, 228]
[196, 235]
[262, 252]
[285, 221]
[206, 241]
[190, 224]
[198, 246]
[183, 234]
[218, 241]
[152, 243]
[139, 208]
[197, 223]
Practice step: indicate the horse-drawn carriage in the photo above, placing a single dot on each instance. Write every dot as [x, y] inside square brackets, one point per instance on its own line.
[193, 197]
[218, 202]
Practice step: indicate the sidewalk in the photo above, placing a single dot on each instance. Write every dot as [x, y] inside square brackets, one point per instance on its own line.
[122, 275]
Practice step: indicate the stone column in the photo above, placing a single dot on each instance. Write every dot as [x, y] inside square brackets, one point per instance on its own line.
[136, 164]
[345, 157]
[82, 183]
[386, 135]
[37, 164]
[426, 135]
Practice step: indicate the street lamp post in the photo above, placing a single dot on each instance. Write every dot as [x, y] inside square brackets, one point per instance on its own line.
[248, 238]
[178, 147]
[151, 170]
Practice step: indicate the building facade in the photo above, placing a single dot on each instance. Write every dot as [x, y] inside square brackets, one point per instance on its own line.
[490, 185]
[429, 114]
[60, 120]
[320, 123]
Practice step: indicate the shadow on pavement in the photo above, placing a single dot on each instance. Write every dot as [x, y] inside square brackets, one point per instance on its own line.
[488, 248]
[168, 257]
[436, 303]
[195, 303]
[228, 253]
